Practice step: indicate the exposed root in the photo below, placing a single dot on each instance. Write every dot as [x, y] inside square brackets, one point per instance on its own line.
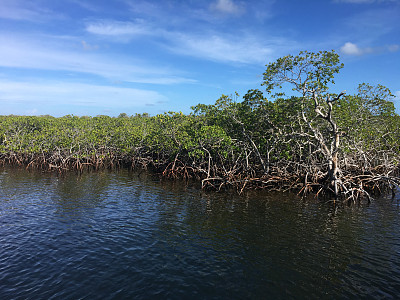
[353, 186]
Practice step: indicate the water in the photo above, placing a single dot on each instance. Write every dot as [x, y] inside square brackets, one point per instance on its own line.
[120, 236]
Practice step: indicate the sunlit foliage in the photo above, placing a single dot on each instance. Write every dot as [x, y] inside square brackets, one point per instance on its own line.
[260, 140]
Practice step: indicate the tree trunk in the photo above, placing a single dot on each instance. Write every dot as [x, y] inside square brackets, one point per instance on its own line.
[333, 172]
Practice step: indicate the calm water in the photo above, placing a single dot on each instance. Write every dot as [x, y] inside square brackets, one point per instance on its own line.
[120, 236]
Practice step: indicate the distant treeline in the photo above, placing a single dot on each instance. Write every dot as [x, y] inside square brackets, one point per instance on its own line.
[341, 146]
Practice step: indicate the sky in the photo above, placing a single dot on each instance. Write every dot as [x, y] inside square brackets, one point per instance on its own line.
[106, 57]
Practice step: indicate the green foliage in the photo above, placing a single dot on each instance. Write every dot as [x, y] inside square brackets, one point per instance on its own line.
[232, 137]
[368, 119]
[307, 71]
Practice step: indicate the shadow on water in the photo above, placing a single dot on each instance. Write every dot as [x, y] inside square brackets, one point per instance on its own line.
[117, 235]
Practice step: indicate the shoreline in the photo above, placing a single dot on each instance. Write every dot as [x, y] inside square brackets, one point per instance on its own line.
[374, 184]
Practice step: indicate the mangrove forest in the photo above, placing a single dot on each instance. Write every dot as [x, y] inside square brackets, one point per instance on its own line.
[293, 134]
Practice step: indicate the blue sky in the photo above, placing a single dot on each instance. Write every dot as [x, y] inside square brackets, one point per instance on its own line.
[91, 57]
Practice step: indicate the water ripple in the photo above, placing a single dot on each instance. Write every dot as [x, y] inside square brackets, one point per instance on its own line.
[114, 235]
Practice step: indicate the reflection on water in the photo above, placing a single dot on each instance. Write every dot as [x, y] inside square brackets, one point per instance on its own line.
[115, 235]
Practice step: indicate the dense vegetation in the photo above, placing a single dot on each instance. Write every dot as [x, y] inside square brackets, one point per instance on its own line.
[345, 146]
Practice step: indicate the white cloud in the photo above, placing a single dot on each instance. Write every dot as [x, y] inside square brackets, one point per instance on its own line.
[66, 93]
[397, 95]
[226, 6]
[240, 49]
[118, 29]
[20, 52]
[351, 49]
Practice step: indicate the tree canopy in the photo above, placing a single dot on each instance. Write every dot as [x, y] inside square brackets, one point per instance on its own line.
[312, 140]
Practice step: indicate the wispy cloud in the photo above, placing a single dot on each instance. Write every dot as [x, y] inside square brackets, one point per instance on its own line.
[202, 15]
[373, 24]
[352, 49]
[175, 12]
[89, 47]
[393, 48]
[25, 10]
[226, 6]
[21, 52]
[60, 93]
[196, 30]
[91, 6]
[241, 47]
[118, 29]
[363, 1]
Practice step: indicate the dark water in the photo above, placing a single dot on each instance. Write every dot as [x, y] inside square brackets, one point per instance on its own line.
[117, 236]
